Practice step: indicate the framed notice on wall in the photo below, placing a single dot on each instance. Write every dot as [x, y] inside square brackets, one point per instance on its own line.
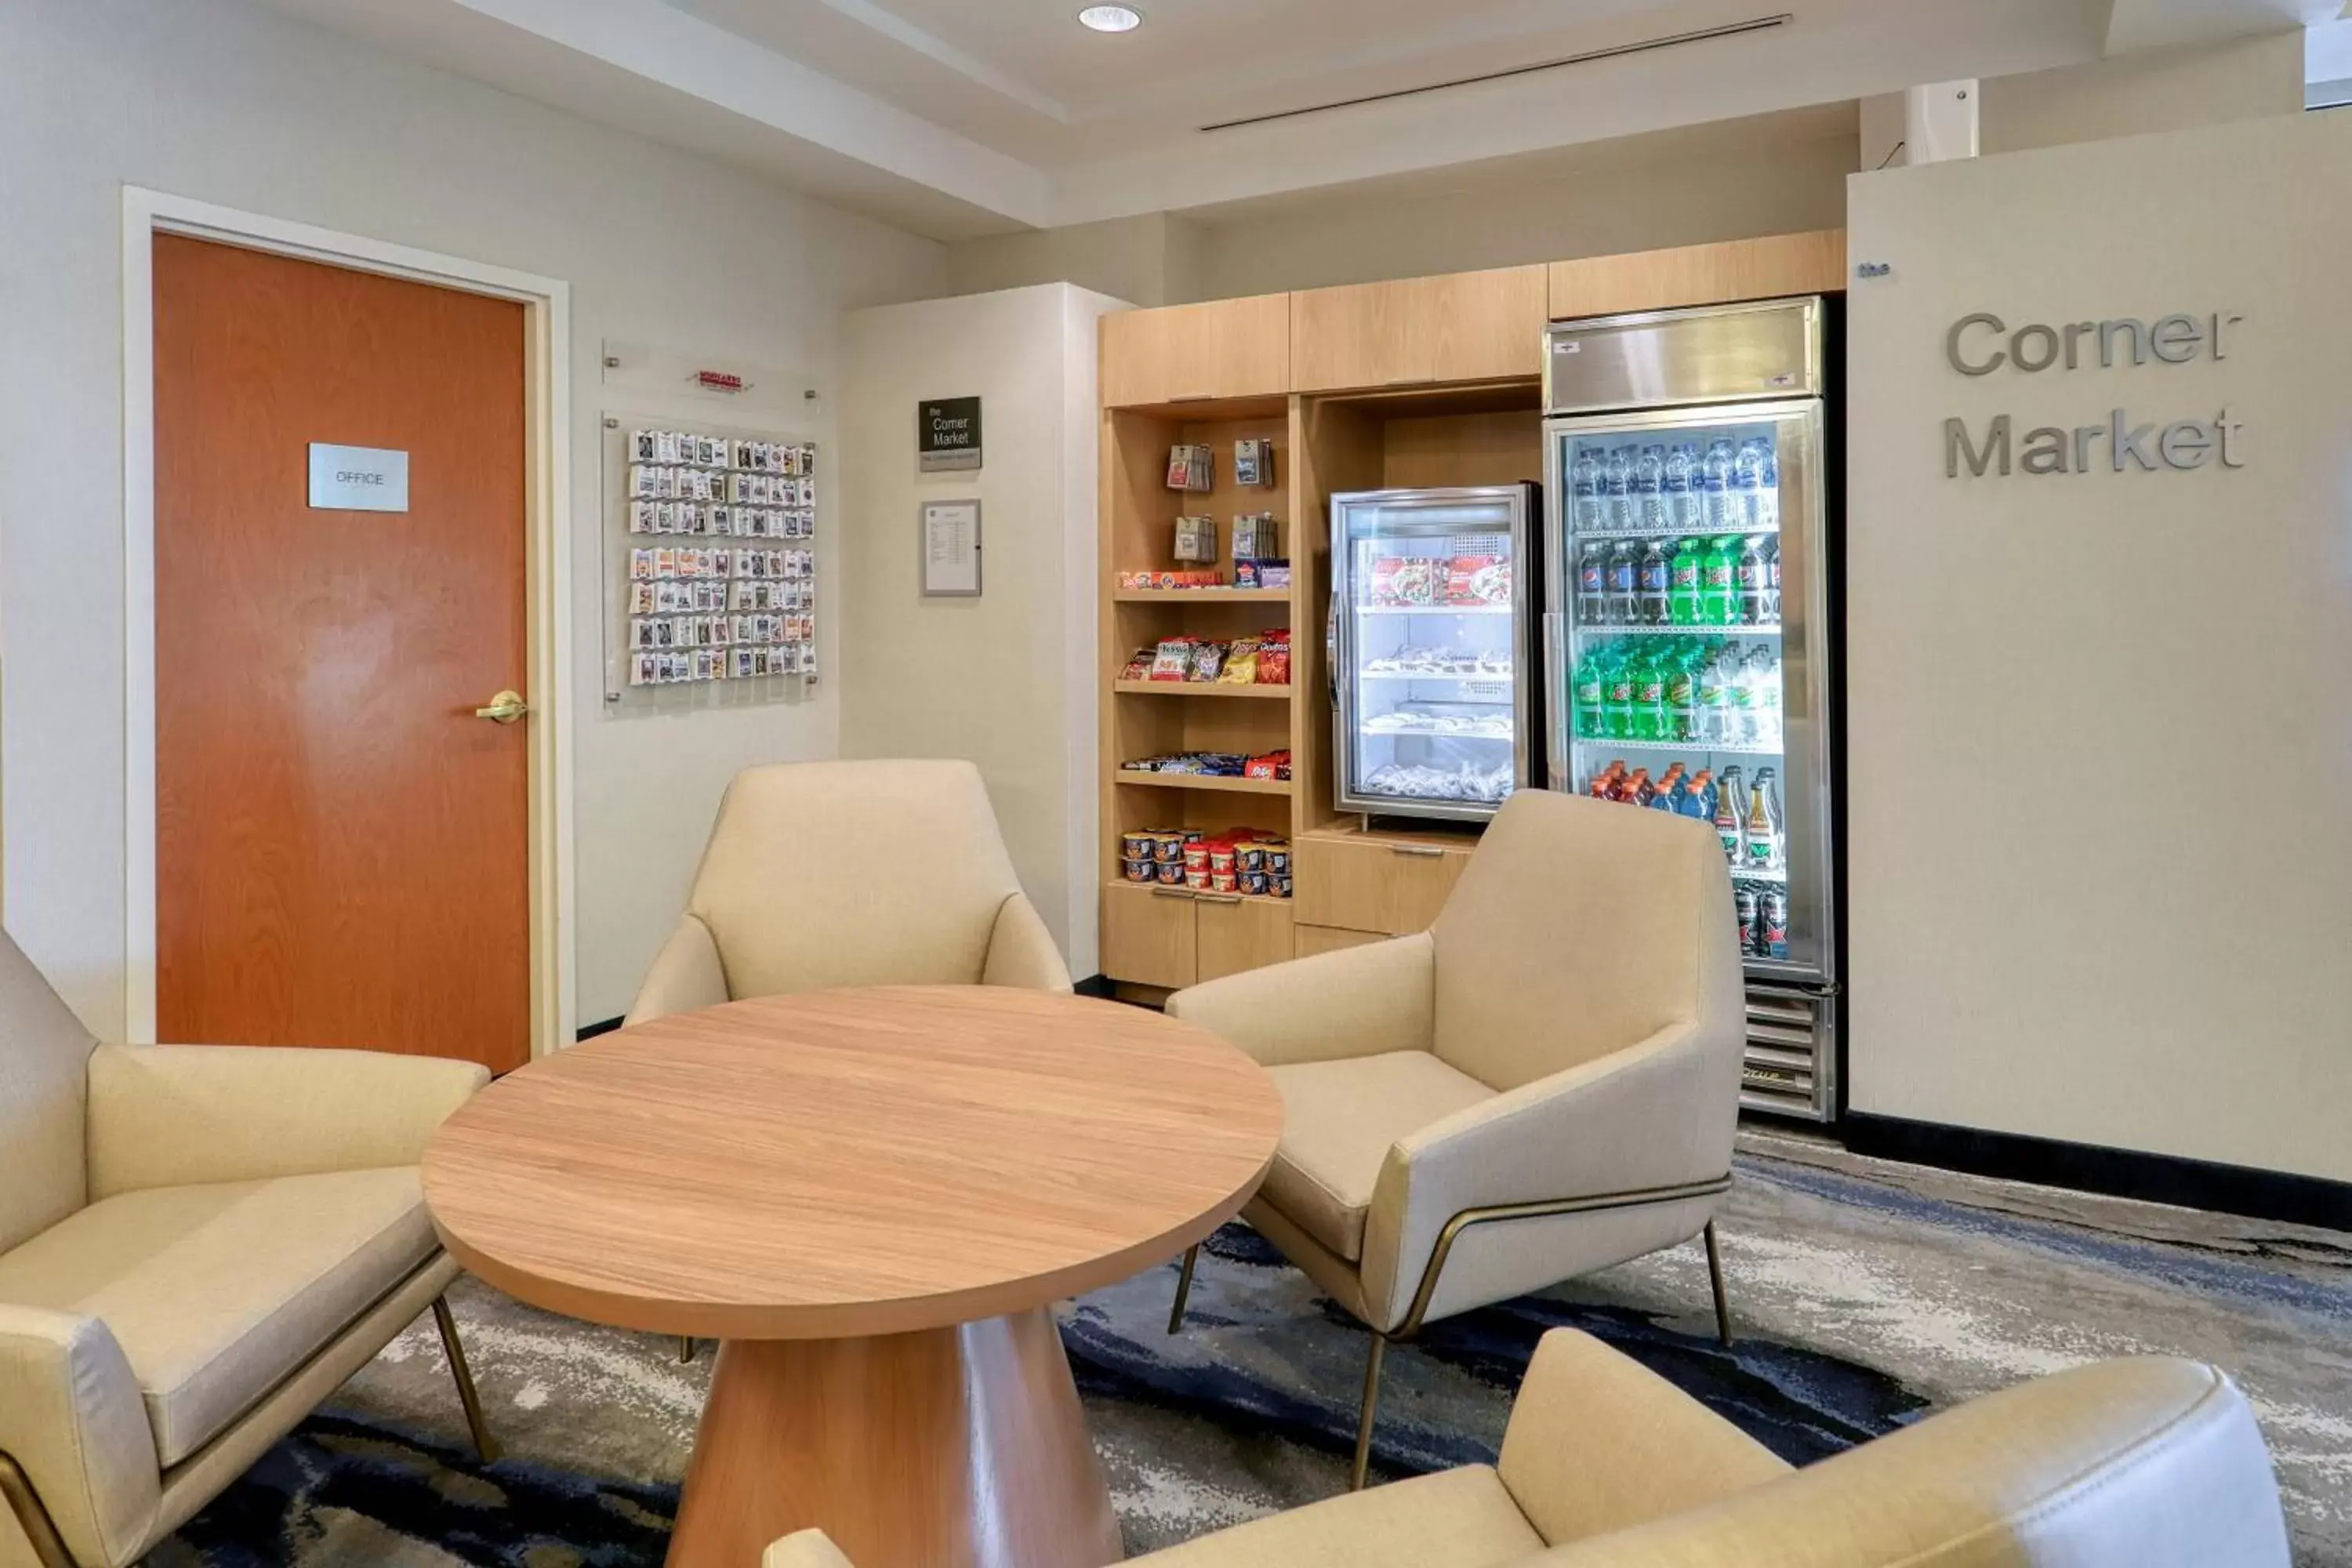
[951, 545]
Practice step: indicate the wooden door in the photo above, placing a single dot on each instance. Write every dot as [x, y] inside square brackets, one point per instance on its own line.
[1361, 334]
[1488, 326]
[342, 845]
[1189, 353]
[1236, 935]
[1767, 269]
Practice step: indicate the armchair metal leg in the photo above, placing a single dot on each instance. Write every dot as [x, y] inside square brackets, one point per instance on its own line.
[484, 1444]
[685, 1349]
[1371, 1408]
[1715, 1274]
[1183, 1287]
[49, 1546]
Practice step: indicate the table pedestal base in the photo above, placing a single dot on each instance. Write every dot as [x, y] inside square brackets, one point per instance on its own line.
[959, 1448]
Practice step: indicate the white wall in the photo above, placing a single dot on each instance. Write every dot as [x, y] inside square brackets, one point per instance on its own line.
[1007, 679]
[2145, 90]
[222, 100]
[1149, 259]
[2101, 756]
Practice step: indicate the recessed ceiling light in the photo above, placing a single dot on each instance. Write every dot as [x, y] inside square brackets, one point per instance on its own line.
[1112, 18]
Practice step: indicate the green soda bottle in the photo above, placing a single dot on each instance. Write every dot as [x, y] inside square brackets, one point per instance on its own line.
[1682, 584]
[1718, 584]
[1682, 695]
[1617, 701]
[1591, 688]
[1650, 697]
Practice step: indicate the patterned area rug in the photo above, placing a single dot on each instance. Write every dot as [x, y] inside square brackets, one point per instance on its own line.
[1865, 1295]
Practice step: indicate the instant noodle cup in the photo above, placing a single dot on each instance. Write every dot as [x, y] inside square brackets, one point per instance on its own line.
[1221, 882]
[1196, 856]
[1140, 870]
[1254, 882]
[1135, 845]
[1278, 855]
[1281, 884]
[1197, 881]
[1171, 873]
[1221, 856]
[1249, 855]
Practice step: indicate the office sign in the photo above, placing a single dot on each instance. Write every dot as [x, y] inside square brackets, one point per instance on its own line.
[358, 478]
[947, 433]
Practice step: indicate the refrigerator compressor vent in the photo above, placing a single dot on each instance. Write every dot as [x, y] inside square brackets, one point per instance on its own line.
[1790, 1068]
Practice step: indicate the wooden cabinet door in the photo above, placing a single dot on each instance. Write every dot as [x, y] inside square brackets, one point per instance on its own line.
[1768, 268]
[1235, 934]
[1188, 353]
[1149, 936]
[1358, 882]
[1306, 940]
[1486, 326]
[1361, 334]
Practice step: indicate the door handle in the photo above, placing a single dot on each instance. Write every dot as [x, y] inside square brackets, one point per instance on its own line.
[504, 708]
[1418, 851]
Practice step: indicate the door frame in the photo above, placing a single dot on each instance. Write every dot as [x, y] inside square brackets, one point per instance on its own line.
[547, 393]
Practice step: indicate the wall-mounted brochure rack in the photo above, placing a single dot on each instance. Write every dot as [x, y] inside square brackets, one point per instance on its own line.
[710, 561]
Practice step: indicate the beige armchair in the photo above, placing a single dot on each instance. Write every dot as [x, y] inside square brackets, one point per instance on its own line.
[866, 873]
[2130, 1464]
[197, 1245]
[1544, 1083]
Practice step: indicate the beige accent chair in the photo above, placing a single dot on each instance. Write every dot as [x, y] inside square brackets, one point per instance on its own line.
[2146, 1463]
[197, 1245]
[865, 873]
[1544, 1083]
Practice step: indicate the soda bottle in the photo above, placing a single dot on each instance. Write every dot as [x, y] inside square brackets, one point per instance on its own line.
[1616, 486]
[1682, 697]
[1699, 800]
[1747, 482]
[1773, 923]
[1584, 482]
[1624, 587]
[1638, 789]
[1649, 483]
[1763, 675]
[1652, 579]
[1713, 699]
[1772, 581]
[1650, 717]
[1767, 486]
[1617, 699]
[1588, 695]
[1683, 584]
[1715, 473]
[1744, 901]
[1763, 824]
[1675, 484]
[1604, 782]
[1730, 808]
[1749, 574]
[1592, 583]
[1718, 590]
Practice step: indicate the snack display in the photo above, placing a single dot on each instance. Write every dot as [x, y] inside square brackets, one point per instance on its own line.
[1191, 468]
[1467, 782]
[1237, 860]
[1484, 663]
[1196, 539]
[1423, 719]
[1254, 463]
[1256, 537]
[1272, 765]
[1171, 579]
[1412, 581]
[1261, 573]
[1207, 764]
[1261, 659]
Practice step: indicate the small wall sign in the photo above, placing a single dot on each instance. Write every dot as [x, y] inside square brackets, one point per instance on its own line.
[947, 433]
[358, 478]
[951, 544]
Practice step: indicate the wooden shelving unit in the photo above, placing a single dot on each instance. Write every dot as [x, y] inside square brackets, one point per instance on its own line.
[1216, 689]
[1202, 782]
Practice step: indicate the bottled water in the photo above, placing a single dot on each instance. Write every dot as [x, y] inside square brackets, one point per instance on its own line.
[1676, 485]
[1649, 489]
[1617, 487]
[1584, 481]
[1715, 474]
[1748, 483]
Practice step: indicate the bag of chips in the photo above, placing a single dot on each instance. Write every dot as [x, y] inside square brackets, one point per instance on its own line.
[1208, 659]
[1173, 659]
[1274, 657]
[1241, 662]
[1138, 665]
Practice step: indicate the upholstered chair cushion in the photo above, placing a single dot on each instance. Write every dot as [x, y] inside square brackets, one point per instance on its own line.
[43, 1053]
[852, 873]
[1577, 929]
[1340, 1120]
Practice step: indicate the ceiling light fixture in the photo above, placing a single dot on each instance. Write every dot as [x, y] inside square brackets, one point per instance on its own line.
[1112, 18]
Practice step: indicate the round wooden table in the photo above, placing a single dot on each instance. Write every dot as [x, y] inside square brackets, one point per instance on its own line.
[872, 1197]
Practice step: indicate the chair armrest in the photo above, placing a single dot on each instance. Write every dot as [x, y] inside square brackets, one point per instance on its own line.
[686, 974]
[1597, 1442]
[72, 1418]
[1660, 1113]
[1355, 1002]
[808, 1548]
[1021, 951]
[168, 1116]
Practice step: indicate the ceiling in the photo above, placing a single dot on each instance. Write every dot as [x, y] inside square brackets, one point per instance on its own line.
[965, 117]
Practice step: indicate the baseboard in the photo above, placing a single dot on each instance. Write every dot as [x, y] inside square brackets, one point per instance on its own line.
[590, 1031]
[2116, 1172]
[1095, 985]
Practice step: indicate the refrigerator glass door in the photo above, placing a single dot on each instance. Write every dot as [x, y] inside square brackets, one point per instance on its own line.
[1685, 637]
[1429, 591]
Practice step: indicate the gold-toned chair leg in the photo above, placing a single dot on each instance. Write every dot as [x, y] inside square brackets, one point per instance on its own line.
[484, 1444]
[1372, 1408]
[1715, 1274]
[1183, 1288]
[49, 1546]
[685, 1349]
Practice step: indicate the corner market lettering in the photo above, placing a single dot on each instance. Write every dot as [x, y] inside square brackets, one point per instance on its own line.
[1981, 343]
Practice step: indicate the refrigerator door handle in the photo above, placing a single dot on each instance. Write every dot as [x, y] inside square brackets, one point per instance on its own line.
[1556, 690]
[1331, 645]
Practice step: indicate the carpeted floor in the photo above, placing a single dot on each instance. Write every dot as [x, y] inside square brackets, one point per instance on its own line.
[1865, 1295]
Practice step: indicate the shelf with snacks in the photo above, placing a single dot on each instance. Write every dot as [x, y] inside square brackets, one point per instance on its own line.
[1211, 781]
[1200, 595]
[1218, 689]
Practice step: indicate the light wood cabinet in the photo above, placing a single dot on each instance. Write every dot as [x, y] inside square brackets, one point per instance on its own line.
[1236, 934]
[1764, 268]
[1307, 940]
[1148, 937]
[1412, 332]
[1389, 883]
[1197, 353]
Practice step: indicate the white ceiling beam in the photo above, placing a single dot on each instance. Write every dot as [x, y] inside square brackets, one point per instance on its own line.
[2154, 23]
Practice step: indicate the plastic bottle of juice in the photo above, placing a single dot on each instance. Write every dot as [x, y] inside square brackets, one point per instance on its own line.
[1730, 808]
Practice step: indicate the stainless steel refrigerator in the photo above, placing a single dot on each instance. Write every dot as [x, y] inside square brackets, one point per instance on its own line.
[1688, 630]
[1432, 602]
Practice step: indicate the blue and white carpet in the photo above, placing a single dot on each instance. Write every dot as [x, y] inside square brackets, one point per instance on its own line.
[1865, 1295]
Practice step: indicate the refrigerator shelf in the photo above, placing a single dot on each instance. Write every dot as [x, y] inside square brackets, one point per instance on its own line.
[1693, 748]
[1742, 874]
[1435, 610]
[1377, 734]
[1598, 630]
[1478, 677]
[1678, 531]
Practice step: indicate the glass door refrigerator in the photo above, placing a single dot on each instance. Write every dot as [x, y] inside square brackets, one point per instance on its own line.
[1687, 629]
[1432, 595]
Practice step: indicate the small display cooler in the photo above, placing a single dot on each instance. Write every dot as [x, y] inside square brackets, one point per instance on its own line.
[1433, 702]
